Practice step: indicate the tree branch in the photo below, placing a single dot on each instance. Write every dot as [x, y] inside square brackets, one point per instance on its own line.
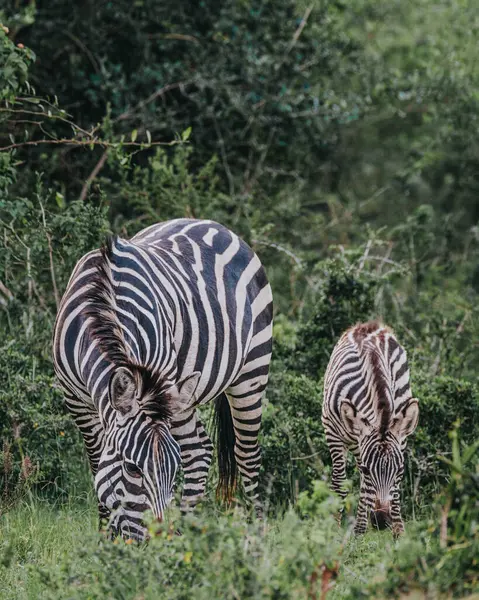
[94, 142]
[98, 167]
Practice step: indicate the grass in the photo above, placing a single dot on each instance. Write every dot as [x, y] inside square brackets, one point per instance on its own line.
[53, 551]
[42, 534]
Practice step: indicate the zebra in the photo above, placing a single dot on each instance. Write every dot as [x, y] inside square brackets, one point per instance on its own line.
[148, 330]
[368, 408]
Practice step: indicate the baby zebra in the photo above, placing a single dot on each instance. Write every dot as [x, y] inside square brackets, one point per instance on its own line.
[369, 409]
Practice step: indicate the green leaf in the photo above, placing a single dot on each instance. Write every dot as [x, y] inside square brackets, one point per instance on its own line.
[60, 199]
[185, 136]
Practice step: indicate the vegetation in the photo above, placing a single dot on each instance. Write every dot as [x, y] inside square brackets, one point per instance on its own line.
[340, 140]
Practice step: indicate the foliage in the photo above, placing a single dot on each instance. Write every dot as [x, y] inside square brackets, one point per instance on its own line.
[39, 249]
[41, 445]
[15, 61]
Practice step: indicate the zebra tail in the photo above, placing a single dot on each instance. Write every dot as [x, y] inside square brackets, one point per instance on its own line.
[225, 444]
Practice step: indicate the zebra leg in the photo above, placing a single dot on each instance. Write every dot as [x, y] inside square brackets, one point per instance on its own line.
[366, 501]
[89, 424]
[338, 450]
[397, 525]
[196, 453]
[246, 411]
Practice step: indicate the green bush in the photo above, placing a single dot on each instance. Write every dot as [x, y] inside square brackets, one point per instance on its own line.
[41, 445]
[294, 448]
[442, 402]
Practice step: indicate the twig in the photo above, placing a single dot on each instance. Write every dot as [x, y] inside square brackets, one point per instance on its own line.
[300, 28]
[94, 142]
[249, 184]
[305, 457]
[30, 289]
[179, 36]
[52, 116]
[98, 167]
[157, 94]
[288, 253]
[40, 298]
[443, 530]
[365, 255]
[6, 292]
[50, 252]
[383, 260]
[281, 249]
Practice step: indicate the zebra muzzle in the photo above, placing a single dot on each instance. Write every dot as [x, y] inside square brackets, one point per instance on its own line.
[381, 515]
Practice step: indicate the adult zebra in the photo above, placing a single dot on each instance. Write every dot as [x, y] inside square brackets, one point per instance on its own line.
[368, 408]
[147, 330]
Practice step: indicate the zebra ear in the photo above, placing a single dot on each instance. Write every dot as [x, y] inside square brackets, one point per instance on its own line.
[186, 389]
[406, 421]
[123, 390]
[349, 416]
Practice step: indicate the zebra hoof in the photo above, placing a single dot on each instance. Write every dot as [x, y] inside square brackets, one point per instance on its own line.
[397, 530]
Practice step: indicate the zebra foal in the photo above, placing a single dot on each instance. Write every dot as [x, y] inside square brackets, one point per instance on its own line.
[368, 408]
[147, 330]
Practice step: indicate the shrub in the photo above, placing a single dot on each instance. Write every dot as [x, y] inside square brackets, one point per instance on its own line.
[293, 444]
[41, 445]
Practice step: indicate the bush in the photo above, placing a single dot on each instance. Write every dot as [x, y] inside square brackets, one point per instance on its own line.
[293, 445]
[443, 401]
[41, 445]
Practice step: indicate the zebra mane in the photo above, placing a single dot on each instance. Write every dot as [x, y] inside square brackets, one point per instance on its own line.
[382, 391]
[105, 328]
[362, 330]
[104, 325]
[361, 333]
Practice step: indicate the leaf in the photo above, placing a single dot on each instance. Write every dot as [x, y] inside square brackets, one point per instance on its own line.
[469, 452]
[60, 199]
[186, 134]
[148, 136]
[134, 135]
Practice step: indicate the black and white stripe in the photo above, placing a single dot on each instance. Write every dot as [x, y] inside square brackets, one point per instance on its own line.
[147, 330]
[368, 408]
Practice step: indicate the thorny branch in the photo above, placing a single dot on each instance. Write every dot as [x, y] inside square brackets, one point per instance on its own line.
[93, 142]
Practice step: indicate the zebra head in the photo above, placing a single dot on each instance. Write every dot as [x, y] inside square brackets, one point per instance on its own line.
[381, 447]
[140, 457]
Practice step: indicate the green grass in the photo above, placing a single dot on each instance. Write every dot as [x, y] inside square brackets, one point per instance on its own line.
[41, 534]
[53, 551]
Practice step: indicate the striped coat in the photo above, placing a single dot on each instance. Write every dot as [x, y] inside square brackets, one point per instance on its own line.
[368, 408]
[147, 330]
